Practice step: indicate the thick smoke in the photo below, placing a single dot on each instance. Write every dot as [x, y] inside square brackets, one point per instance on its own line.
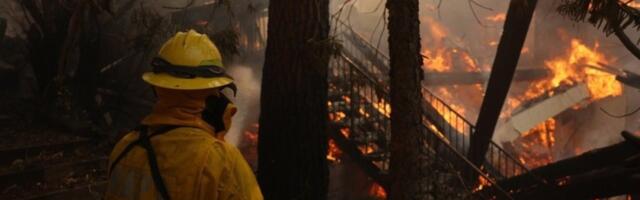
[247, 100]
[476, 29]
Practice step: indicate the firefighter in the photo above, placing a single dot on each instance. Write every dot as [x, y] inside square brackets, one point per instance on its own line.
[178, 151]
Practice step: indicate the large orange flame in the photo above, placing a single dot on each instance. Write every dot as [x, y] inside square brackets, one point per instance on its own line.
[574, 67]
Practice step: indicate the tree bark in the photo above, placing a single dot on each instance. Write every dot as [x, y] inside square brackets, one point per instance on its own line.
[516, 26]
[293, 121]
[3, 28]
[408, 164]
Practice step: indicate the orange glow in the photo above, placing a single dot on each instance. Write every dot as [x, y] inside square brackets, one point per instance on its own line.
[500, 17]
[377, 191]
[438, 32]
[632, 3]
[451, 117]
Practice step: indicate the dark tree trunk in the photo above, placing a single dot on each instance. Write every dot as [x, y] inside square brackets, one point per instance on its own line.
[407, 166]
[46, 37]
[516, 27]
[293, 121]
[3, 28]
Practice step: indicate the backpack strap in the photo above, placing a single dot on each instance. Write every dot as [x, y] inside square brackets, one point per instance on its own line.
[144, 140]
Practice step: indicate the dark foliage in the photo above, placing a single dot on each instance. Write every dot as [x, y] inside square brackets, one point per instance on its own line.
[607, 15]
[612, 16]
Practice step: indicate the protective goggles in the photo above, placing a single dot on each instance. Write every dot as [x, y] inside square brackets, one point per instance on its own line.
[206, 71]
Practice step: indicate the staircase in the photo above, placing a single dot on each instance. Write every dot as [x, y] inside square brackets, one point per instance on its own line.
[358, 103]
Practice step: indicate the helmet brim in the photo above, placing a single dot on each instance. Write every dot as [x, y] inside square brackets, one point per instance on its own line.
[164, 80]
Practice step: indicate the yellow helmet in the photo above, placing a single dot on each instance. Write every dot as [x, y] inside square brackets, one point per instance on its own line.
[188, 61]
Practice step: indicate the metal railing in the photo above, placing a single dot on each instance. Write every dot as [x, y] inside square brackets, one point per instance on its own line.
[440, 118]
[358, 105]
[446, 119]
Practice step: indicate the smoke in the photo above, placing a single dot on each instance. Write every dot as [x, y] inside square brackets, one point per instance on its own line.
[247, 100]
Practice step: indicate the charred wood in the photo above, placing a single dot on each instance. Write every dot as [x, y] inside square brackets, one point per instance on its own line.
[516, 27]
[602, 183]
[356, 155]
[631, 79]
[604, 172]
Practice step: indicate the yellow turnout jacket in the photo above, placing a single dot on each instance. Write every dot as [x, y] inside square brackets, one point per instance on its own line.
[193, 163]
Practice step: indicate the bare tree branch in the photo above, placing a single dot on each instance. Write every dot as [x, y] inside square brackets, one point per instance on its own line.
[627, 42]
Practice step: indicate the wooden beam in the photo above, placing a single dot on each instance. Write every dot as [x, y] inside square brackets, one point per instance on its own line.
[631, 79]
[516, 26]
[468, 78]
[527, 119]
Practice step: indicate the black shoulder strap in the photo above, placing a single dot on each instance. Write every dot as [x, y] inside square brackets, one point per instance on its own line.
[144, 140]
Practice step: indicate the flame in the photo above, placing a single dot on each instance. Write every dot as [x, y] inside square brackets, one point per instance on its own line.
[345, 131]
[500, 17]
[482, 182]
[383, 107]
[366, 149]
[377, 191]
[534, 147]
[469, 62]
[363, 112]
[337, 116]
[570, 69]
[440, 61]
[334, 153]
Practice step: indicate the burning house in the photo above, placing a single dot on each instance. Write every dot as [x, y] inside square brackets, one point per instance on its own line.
[566, 98]
[571, 96]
